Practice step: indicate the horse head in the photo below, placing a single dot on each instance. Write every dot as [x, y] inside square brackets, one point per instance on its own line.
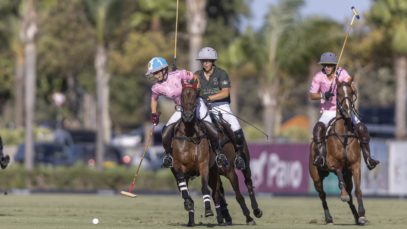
[189, 100]
[345, 99]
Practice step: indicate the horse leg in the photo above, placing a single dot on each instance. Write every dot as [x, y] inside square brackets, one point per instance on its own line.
[318, 180]
[358, 193]
[247, 173]
[341, 183]
[224, 205]
[217, 196]
[205, 192]
[349, 186]
[232, 176]
[188, 202]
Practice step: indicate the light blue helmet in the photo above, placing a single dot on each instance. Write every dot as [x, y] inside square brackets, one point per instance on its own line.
[156, 64]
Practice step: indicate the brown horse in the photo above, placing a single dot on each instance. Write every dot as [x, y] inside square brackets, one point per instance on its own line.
[227, 139]
[343, 155]
[192, 155]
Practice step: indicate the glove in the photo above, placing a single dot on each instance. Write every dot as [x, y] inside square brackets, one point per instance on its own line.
[155, 118]
[328, 95]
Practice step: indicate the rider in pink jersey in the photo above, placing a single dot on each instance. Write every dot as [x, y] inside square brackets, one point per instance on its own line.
[323, 88]
[168, 84]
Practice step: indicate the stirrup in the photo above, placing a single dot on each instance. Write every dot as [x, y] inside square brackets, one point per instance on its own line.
[4, 160]
[319, 161]
[240, 163]
[167, 161]
[221, 160]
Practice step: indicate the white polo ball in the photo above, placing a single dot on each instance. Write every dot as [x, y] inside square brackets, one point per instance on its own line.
[95, 220]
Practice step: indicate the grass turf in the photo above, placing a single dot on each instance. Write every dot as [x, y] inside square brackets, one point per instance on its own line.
[158, 211]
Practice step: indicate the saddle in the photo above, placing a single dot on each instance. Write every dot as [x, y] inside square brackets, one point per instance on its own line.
[224, 128]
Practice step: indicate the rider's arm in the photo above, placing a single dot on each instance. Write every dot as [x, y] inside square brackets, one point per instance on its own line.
[315, 96]
[153, 105]
[224, 93]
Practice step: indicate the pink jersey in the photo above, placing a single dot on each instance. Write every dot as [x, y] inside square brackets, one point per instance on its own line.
[172, 87]
[320, 84]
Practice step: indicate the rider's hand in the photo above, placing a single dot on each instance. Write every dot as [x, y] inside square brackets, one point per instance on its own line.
[155, 118]
[327, 95]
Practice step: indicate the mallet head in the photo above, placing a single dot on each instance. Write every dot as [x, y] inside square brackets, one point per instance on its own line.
[355, 12]
[128, 194]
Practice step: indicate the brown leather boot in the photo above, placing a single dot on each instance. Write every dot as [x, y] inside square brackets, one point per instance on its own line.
[239, 162]
[213, 135]
[364, 139]
[320, 147]
[167, 134]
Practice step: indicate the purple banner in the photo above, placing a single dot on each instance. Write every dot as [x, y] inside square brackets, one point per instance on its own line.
[278, 168]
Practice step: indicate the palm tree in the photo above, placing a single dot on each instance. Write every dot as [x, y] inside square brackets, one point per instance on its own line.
[388, 17]
[196, 25]
[30, 30]
[103, 15]
[279, 19]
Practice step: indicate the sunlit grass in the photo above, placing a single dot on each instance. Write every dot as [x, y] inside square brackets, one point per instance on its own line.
[157, 211]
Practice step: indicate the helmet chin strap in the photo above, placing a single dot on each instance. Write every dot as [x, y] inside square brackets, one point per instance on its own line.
[165, 75]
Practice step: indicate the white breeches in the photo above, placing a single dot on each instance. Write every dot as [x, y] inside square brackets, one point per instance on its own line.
[328, 115]
[227, 115]
[201, 113]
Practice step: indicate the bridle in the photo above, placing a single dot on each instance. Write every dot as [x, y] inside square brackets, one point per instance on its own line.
[349, 99]
[189, 116]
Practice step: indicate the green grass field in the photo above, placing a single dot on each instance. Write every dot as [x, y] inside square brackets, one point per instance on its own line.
[156, 211]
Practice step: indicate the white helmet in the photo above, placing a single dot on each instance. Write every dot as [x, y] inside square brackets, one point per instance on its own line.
[207, 53]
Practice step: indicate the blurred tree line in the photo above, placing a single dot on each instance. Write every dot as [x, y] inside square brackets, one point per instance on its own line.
[95, 52]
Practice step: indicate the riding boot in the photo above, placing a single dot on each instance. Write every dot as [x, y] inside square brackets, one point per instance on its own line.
[240, 140]
[364, 139]
[4, 159]
[320, 147]
[167, 134]
[213, 135]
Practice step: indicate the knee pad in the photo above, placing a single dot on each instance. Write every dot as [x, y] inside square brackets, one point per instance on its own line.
[363, 133]
[319, 132]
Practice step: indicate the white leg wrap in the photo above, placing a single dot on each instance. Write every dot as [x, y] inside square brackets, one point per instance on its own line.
[206, 198]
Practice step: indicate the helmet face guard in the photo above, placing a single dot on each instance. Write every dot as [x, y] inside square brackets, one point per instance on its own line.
[156, 64]
[328, 58]
[207, 53]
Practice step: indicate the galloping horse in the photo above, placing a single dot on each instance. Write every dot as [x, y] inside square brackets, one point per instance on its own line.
[343, 155]
[192, 155]
[227, 141]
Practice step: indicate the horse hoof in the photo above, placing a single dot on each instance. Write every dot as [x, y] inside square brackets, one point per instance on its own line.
[345, 198]
[209, 213]
[190, 224]
[228, 223]
[362, 220]
[251, 223]
[258, 213]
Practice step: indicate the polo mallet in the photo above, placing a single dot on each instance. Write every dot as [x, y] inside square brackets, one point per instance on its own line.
[355, 15]
[174, 65]
[130, 192]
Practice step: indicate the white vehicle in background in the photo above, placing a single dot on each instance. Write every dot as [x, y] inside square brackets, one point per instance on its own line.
[132, 144]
